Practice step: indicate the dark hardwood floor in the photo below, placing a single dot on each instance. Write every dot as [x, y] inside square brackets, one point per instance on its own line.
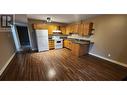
[61, 65]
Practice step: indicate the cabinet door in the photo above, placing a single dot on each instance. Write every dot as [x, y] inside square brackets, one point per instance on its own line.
[51, 44]
[51, 28]
[75, 28]
[71, 28]
[40, 26]
[84, 29]
[75, 49]
[65, 43]
[69, 44]
[80, 29]
[63, 29]
[87, 28]
[67, 30]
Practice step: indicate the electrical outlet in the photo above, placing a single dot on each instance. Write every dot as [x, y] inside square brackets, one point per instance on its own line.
[109, 55]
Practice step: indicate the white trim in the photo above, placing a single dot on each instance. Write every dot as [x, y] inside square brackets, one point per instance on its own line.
[29, 34]
[111, 60]
[34, 49]
[21, 24]
[4, 67]
[17, 36]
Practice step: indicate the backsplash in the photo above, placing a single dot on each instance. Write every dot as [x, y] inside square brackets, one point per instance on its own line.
[76, 36]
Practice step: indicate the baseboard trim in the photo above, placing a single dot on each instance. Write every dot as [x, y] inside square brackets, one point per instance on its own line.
[34, 49]
[110, 60]
[4, 67]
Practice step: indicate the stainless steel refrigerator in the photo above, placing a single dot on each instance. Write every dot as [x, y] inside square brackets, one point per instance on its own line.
[42, 40]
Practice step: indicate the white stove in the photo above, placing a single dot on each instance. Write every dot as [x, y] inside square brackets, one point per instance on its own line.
[58, 42]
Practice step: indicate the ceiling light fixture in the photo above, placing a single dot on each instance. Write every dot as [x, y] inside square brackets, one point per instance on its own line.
[48, 19]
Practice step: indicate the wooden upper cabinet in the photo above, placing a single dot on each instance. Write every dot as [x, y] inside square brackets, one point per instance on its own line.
[68, 30]
[40, 26]
[71, 28]
[80, 29]
[75, 28]
[85, 29]
[63, 29]
[49, 27]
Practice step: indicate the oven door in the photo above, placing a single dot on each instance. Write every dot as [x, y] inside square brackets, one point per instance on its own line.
[58, 44]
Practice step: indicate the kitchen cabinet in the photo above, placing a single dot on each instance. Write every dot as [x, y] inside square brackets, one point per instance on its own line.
[67, 44]
[68, 30]
[80, 29]
[51, 44]
[46, 26]
[40, 26]
[85, 29]
[63, 29]
[73, 28]
[51, 28]
[79, 49]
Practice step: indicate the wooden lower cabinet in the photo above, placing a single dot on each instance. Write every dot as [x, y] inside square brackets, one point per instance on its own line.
[67, 44]
[79, 49]
[51, 44]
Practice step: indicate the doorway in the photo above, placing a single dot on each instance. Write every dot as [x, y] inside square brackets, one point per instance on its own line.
[23, 36]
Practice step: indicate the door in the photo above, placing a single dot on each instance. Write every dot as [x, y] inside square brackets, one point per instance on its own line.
[23, 35]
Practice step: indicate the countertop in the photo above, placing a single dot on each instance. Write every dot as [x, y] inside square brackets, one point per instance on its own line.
[76, 40]
[82, 42]
[80, 38]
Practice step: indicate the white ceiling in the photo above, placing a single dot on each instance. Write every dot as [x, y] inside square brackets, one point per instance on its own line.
[63, 18]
